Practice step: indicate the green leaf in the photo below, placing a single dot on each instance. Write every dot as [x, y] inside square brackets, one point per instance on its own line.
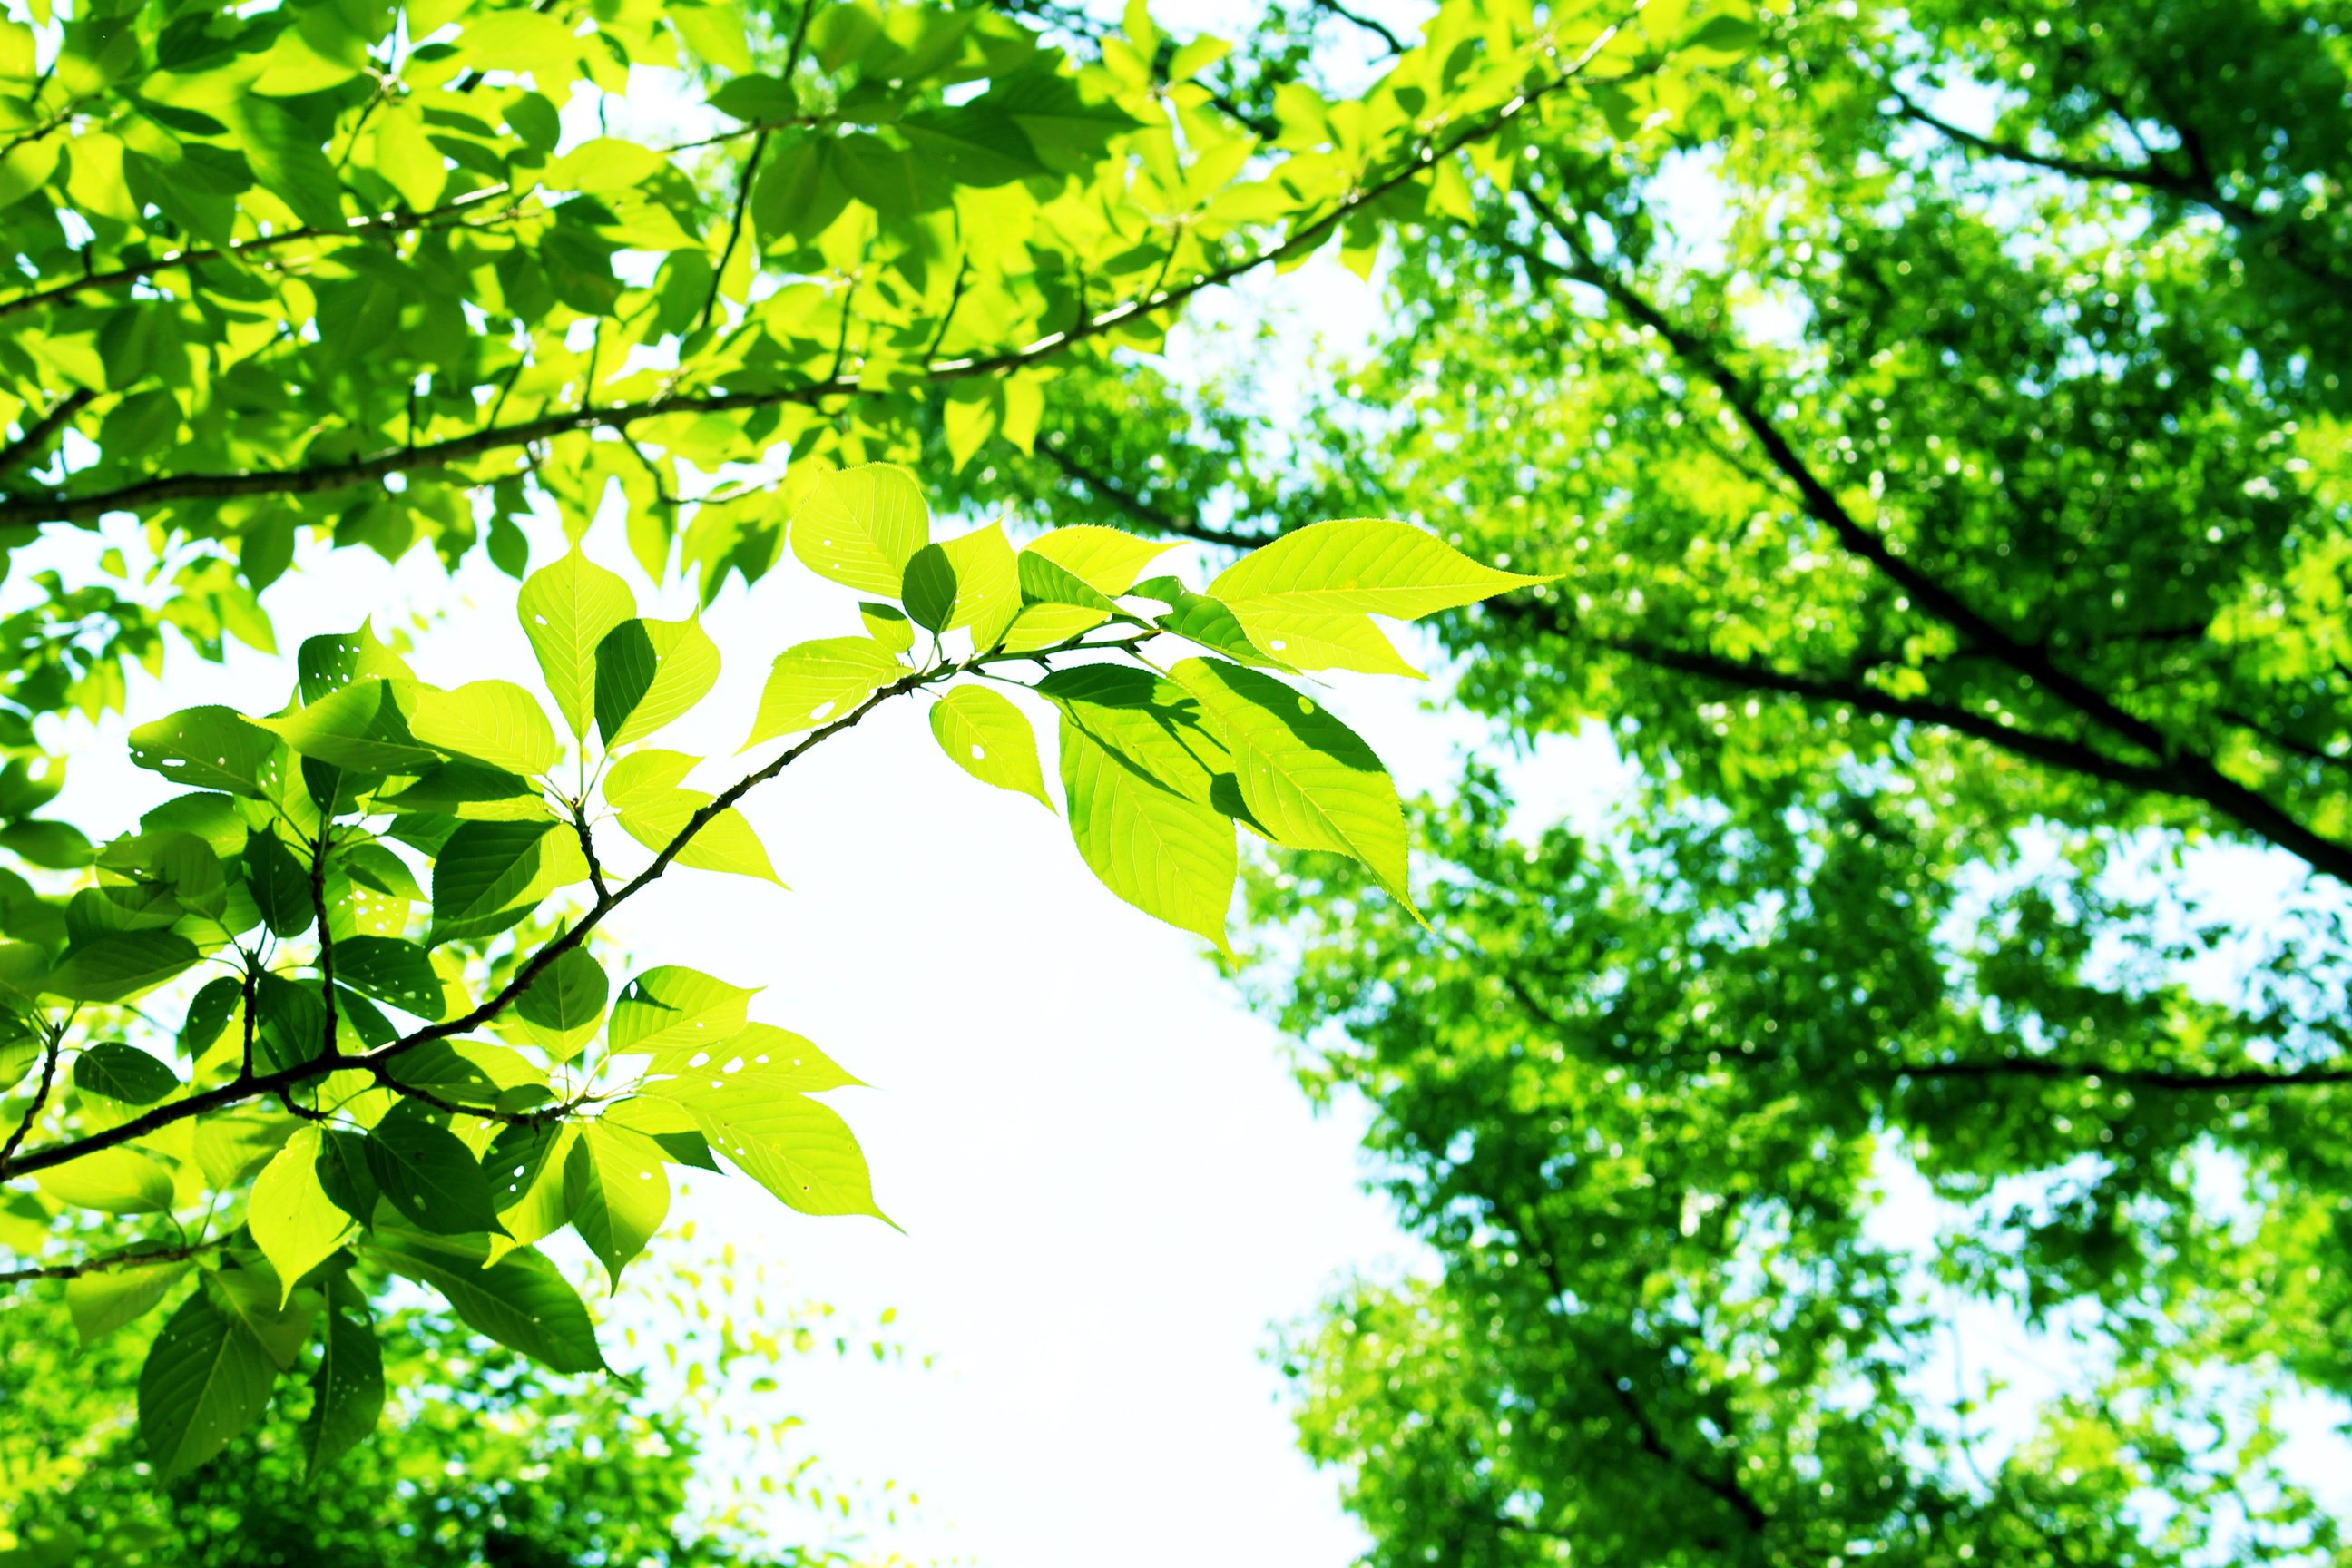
[393, 971]
[1310, 781]
[618, 1195]
[567, 609]
[294, 1223]
[482, 877]
[969, 580]
[113, 1070]
[492, 721]
[1313, 639]
[1104, 559]
[1049, 625]
[521, 1301]
[205, 1379]
[813, 683]
[643, 788]
[252, 1297]
[209, 747]
[106, 1299]
[346, 1392]
[1044, 580]
[564, 1007]
[1359, 565]
[214, 1003]
[525, 1167]
[674, 1006]
[790, 1144]
[1153, 726]
[363, 728]
[470, 1072]
[471, 790]
[279, 883]
[429, 1174]
[1172, 857]
[374, 867]
[985, 735]
[758, 1060]
[328, 663]
[119, 967]
[860, 527]
[889, 626]
[648, 673]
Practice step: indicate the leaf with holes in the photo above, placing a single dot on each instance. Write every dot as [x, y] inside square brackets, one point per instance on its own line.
[860, 527]
[985, 735]
[616, 1192]
[567, 609]
[674, 1006]
[814, 683]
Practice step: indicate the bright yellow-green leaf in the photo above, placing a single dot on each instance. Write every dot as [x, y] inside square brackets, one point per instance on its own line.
[293, 1221]
[493, 722]
[759, 1058]
[1310, 782]
[797, 1149]
[985, 735]
[643, 789]
[106, 1299]
[1172, 857]
[567, 609]
[817, 683]
[673, 1006]
[363, 727]
[1321, 639]
[617, 1192]
[648, 673]
[1048, 626]
[1104, 559]
[111, 1181]
[1361, 565]
[860, 526]
[969, 580]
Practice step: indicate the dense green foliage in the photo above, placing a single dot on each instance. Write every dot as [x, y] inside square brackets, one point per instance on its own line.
[489, 1461]
[1938, 429]
[363, 275]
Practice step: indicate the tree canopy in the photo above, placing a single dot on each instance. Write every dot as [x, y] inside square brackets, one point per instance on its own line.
[1938, 432]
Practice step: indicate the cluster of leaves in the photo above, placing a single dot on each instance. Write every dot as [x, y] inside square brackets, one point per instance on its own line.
[488, 1458]
[373, 865]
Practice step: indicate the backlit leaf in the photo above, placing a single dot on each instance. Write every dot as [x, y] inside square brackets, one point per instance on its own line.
[205, 1379]
[1359, 565]
[522, 1301]
[211, 748]
[985, 735]
[1104, 559]
[648, 673]
[493, 722]
[617, 1192]
[817, 683]
[293, 1221]
[1169, 857]
[674, 1006]
[567, 609]
[860, 526]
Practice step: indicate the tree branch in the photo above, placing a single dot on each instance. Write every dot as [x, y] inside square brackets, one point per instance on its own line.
[40, 1098]
[1149, 514]
[62, 506]
[2188, 773]
[261, 1085]
[2137, 1077]
[35, 437]
[137, 1259]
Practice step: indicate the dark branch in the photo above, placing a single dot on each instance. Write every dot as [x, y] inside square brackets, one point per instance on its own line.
[36, 439]
[2136, 1076]
[1151, 515]
[2187, 772]
[67, 507]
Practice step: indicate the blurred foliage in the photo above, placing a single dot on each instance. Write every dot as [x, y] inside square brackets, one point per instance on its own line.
[488, 1461]
[1937, 416]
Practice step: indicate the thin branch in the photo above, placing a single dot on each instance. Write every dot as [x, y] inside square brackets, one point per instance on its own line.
[143, 1258]
[40, 1098]
[1387, 34]
[2188, 773]
[335, 475]
[734, 228]
[262, 1085]
[357, 228]
[1152, 515]
[319, 909]
[2136, 1076]
[36, 439]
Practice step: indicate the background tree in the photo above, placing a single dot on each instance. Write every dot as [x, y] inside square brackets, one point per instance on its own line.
[491, 1461]
[1938, 427]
